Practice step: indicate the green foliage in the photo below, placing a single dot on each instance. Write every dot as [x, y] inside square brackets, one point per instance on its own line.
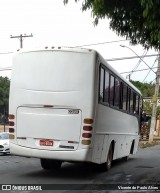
[146, 89]
[147, 107]
[136, 20]
[4, 94]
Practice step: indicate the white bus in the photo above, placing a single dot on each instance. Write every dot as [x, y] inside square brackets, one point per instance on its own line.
[70, 105]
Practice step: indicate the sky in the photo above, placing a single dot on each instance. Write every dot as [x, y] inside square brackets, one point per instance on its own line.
[54, 24]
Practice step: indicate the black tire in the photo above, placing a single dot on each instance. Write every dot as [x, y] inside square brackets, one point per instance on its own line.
[49, 164]
[107, 165]
[109, 158]
[126, 158]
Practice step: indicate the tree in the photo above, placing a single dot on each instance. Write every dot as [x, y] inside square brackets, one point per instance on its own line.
[4, 95]
[146, 89]
[136, 20]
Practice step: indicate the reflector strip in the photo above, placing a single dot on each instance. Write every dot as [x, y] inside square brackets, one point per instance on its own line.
[21, 138]
[72, 142]
[67, 147]
[48, 106]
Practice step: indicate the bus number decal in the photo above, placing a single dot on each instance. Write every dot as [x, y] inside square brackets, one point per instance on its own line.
[73, 111]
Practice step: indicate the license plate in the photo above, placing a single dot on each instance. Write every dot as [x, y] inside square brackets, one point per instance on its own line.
[45, 142]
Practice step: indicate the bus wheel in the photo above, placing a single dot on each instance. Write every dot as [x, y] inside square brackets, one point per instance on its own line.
[107, 165]
[126, 158]
[109, 158]
[49, 164]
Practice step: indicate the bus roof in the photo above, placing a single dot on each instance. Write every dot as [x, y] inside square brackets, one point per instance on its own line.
[80, 50]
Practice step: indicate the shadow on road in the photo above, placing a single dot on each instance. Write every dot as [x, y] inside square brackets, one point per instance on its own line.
[77, 171]
[5, 154]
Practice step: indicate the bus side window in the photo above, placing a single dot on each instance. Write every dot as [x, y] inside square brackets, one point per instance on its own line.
[128, 98]
[117, 93]
[121, 96]
[111, 92]
[106, 89]
[125, 97]
[101, 89]
[136, 103]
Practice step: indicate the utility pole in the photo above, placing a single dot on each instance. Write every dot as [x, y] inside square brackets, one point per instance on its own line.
[155, 97]
[21, 37]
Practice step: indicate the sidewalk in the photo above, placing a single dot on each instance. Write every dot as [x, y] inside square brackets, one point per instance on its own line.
[155, 138]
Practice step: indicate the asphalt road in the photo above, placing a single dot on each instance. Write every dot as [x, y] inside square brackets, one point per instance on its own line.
[141, 169]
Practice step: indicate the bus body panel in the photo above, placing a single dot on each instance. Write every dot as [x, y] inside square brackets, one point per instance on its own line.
[116, 122]
[47, 90]
[118, 126]
[57, 78]
[82, 155]
[59, 125]
[47, 86]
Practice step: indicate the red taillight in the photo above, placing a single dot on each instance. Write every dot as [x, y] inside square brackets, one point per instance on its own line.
[11, 130]
[11, 116]
[87, 128]
[87, 135]
[11, 123]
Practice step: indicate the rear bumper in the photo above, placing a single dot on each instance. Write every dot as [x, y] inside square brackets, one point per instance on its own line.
[83, 155]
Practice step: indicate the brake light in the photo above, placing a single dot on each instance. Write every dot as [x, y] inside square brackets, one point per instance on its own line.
[87, 135]
[87, 128]
[11, 126]
[11, 116]
[11, 130]
[11, 123]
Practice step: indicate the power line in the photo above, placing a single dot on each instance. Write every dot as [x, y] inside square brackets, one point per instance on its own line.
[72, 47]
[21, 37]
[150, 69]
[127, 58]
[5, 69]
[100, 43]
[136, 55]
[6, 52]
[152, 81]
[137, 70]
[138, 63]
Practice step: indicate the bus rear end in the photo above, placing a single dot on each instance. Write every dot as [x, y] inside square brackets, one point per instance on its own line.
[51, 105]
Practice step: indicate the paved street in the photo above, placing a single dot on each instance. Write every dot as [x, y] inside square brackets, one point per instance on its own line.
[142, 168]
